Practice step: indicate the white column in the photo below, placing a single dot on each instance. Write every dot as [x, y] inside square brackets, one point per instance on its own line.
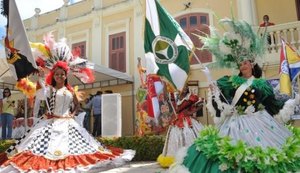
[247, 11]
[97, 4]
[97, 32]
[138, 39]
[34, 24]
[63, 15]
[138, 28]
[64, 10]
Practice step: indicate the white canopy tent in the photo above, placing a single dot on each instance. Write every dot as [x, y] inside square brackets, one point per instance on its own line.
[103, 77]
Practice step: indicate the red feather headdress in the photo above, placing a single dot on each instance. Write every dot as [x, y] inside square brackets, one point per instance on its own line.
[53, 54]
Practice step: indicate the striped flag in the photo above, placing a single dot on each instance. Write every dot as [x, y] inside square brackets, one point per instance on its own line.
[293, 60]
[167, 47]
[17, 49]
[285, 78]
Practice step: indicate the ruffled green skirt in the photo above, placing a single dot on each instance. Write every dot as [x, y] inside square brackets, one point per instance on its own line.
[213, 153]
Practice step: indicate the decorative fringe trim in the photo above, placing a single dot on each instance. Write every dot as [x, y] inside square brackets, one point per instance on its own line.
[27, 161]
[178, 169]
[165, 161]
[284, 115]
[181, 154]
[177, 166]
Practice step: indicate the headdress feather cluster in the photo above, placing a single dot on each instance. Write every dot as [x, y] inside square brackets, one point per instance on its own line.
[238, 43]
[51, 53]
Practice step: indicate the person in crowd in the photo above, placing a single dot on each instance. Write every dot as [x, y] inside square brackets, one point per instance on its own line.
[87, 117]
[7, 115]
[20, 109]
[183, 129]
[57, 143]
[250, 135]
[96, 105]
[267, 23]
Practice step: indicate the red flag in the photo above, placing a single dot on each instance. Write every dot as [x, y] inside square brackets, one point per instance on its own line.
[155, 86]
[18, 51]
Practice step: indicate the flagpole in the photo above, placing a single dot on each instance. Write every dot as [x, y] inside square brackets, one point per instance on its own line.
[44, 89]
[203, 67]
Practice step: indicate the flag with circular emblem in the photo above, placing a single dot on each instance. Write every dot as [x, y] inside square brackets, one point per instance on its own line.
[167, 47]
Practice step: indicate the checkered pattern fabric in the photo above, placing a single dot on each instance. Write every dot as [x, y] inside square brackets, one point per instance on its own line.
[77, 143]
[39, 145]
[12, 148]
[52, 100]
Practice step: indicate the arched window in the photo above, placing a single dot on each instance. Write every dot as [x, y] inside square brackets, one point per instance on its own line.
[197, 23]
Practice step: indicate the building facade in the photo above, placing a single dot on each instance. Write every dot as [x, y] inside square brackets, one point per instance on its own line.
[110, 33]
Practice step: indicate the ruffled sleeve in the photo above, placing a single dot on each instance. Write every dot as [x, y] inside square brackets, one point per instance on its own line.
[226, 86]
[281, 110]
[268, 99]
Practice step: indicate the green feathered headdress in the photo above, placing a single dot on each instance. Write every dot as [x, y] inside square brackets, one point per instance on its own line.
[238, 43]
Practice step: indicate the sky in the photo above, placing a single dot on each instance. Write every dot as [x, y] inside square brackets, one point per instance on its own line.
[26, 10]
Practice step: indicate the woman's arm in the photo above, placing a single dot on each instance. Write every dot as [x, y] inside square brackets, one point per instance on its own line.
[76, 106]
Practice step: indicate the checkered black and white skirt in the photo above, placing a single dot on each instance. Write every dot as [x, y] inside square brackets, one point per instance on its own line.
[62, 145]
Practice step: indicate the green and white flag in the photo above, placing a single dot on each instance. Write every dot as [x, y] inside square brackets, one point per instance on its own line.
[167, 47]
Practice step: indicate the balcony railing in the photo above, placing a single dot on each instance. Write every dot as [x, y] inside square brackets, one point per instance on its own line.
[290, 32]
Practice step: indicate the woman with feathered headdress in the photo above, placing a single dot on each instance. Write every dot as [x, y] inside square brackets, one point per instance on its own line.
[57, 143]
[249, 134]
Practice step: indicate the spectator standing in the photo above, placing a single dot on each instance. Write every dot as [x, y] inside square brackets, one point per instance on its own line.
[7, 114]
[95, 104]
[87, 117]
[267, 23]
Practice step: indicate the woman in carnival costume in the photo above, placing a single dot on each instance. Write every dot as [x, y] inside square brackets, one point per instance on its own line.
[184, 129]
[57, 143]
[249, 134]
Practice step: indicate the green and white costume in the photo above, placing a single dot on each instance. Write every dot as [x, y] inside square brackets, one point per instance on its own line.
[249, 135]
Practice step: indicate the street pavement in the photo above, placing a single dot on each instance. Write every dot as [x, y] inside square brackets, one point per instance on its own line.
[138, 167]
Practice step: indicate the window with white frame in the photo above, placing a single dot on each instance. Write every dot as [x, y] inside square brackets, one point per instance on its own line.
[117, 51]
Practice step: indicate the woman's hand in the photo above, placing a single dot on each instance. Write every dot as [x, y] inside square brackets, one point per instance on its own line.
[212, 87]
[71, 115]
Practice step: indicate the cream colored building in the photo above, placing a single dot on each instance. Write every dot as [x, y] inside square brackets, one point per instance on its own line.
[110, 33]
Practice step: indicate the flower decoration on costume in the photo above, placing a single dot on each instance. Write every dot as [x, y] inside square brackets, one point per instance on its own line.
[51, 54]
[238, 43]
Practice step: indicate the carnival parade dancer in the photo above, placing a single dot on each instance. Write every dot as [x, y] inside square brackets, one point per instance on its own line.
[183, 129]
[57, 143]
[250, 135]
